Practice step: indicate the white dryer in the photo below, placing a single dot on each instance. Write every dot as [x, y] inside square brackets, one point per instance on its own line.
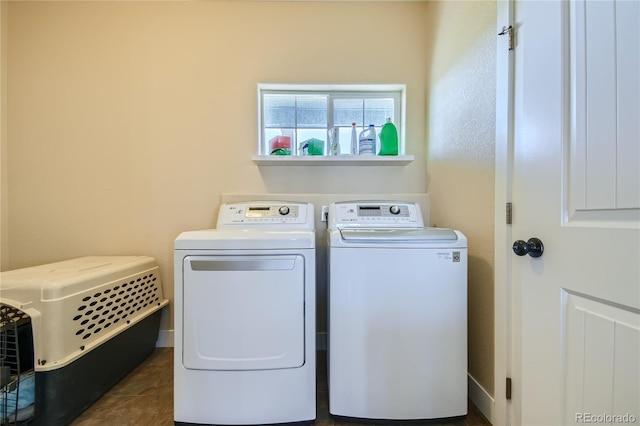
[245, 317]
[397, 333]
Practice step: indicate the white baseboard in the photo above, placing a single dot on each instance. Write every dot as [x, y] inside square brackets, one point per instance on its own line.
[165, 339]
[481, 398]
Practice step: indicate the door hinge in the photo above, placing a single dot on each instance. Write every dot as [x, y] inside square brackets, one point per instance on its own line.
[509, 213]
[509, 31]
[508, 388]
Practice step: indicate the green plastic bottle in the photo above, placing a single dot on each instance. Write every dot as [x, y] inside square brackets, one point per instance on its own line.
[388, 139]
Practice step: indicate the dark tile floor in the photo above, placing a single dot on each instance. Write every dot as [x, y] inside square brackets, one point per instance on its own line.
[145, 398]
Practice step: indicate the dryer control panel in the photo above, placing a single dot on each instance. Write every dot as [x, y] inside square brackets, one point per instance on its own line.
[263, 213]
[368, 214]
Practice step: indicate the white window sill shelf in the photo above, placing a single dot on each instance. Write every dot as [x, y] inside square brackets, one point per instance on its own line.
[339, 160]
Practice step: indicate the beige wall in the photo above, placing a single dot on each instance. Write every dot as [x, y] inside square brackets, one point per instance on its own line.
[461, 141]
[126, 121]
[4, 181]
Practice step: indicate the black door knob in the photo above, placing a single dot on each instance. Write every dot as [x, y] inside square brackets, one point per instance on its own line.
[533, 247]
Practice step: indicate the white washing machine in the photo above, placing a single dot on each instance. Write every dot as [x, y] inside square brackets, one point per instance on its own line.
[397, 334]
[245, 317]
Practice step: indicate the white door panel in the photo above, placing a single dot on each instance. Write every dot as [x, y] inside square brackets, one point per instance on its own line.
[575, 186]
[243, 312]
[605, 87]
[628, 75]
[603, 359]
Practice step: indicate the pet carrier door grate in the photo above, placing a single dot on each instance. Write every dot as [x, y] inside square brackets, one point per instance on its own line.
[9, 365]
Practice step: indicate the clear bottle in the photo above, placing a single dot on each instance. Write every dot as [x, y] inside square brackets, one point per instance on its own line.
[354, 140]
[334, 140]
[388, 139]
[367, 143]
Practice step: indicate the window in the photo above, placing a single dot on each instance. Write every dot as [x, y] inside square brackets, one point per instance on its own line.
[296, 114]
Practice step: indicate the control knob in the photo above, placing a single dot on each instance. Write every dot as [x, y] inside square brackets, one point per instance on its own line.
[394, 209]
[284, 210]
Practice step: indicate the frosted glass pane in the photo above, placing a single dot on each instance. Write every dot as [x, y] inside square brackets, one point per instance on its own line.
[344, 138]
[279, 111]
[376, 111]
[312, 111]
[347, 111]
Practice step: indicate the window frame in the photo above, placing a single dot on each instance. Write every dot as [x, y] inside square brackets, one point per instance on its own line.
[335, 91]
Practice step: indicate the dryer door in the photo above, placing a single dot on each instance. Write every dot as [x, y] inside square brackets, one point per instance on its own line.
[243, 312]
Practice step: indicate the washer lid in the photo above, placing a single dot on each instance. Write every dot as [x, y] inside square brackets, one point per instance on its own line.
[244, 239]
[391, 235]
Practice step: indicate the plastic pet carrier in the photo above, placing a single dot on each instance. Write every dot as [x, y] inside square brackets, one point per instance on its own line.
[73, 329]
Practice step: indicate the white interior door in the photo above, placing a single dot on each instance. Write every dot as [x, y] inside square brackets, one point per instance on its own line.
[576, 187]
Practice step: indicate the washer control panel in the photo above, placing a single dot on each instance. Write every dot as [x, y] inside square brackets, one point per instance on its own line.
[262, 213]
[376, 214]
